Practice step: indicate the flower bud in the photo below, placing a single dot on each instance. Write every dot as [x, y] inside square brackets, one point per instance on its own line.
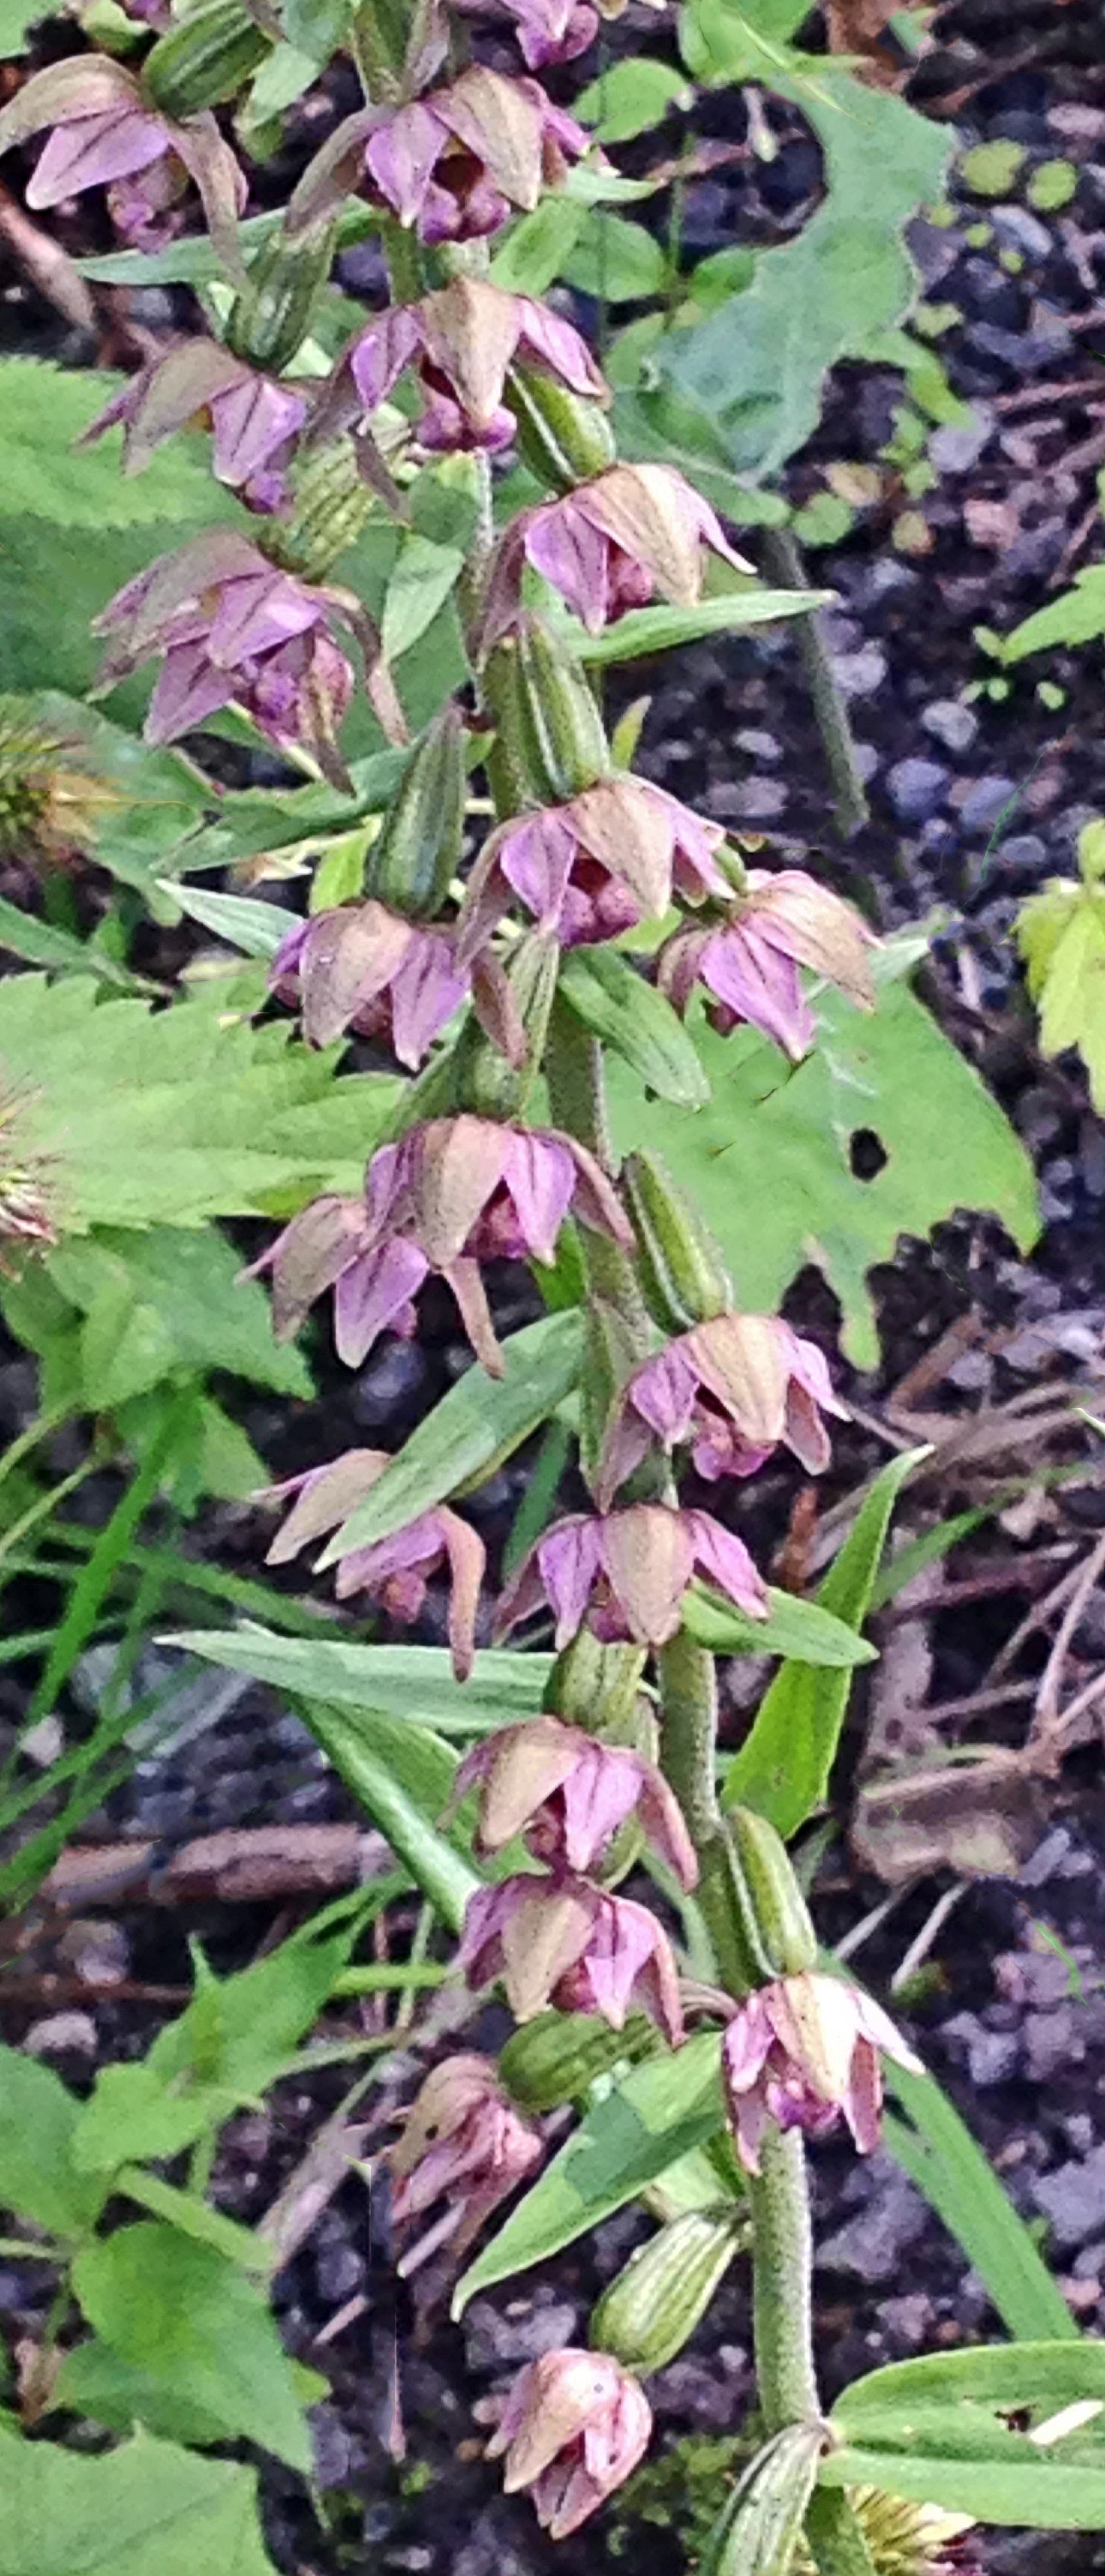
[204, 58]
[775, 1919]
[650, 2311]
[682, 1273]
[563, 437]
[412, 863]
[551, 744]
[558, 2057]
[758, 2531]
[271, 318]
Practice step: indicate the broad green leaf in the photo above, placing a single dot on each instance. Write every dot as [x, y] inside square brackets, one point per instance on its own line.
[659, 422]
[478, 1424]
[778, 1142]
[172, 1117]
[238, 2031]
[181, 2313]
[97, 2382]
[534, 250]
[792, 1627]
[635, 1020]
[935, 2148]
[45, 409]
[402, 1778]
[758, 364]
[161, 1302]
[131, 2113]
[17, 17]
[939, 2428]
[38, 943]
[660, 2111]
[615, 260]
[660, 630]
[422, 581]
[147, 2509]
[246, 923]
[39, 2178]
[196, 2218]
[1076, 617]
[784, 1765]
[630, 96]
[1061, 936]
[413, 1683]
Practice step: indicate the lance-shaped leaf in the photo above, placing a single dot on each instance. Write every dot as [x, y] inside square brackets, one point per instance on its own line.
[613, 1001]
[415, 1683]
[660, 630]
[402, 1778]
[802, 1630]
[1009, 2434]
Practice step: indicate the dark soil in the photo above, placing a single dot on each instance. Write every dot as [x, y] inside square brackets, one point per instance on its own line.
[973, 805]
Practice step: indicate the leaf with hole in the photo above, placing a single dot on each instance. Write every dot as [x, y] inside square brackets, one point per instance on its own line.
[939, 2429]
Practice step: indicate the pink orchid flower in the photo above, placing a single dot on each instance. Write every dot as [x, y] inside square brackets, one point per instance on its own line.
[393, 1572]
[463, 2144]
[570, 1794]
[749, 964]
[456, 163]
[587, 870]
[572, 2429]
[254, 421]
[611, 545]
[626, 1573]
[464, 338]
[106, 134]
[562, 1941]
[359, 966]
[733, 1387]
[802, 2052]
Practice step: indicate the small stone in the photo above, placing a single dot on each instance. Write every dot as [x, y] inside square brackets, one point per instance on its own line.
[1089, 2264]
[333, 2450]
[858, 675]
[1052, 2040]
[951, 722]
[759, 746]
[1023, 858]
[1073, 2199]
[955, 448]
[1048, 1858]
[693, 2387]
[909, 2319]
[98, 1952]
[867, 759]
[872, 2244]
[340, 2273]
[991, 2054]
[915, 788]
[758, 800]
[986, 803]
[392, 1381]
[1022, 231]
[497, 2342]
[62, 2034]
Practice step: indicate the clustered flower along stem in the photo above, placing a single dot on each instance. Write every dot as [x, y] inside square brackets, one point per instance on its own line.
[462, 987]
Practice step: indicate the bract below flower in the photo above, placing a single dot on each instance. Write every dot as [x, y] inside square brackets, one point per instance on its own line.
[803, 2052]
[254, 421]
[749, 963]
[611, 545]
[463, 2143]
[570, 1794]
[395, 1571]
[362, 967]
[587, 870]
[560, 1940]
[451, 1194]
[626, 1572]
[573, 2428]
[457, 162]
[464, 338]
[733, 1388]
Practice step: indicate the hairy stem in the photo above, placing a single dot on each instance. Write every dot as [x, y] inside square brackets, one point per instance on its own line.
[784, 563]
[783, 2260]
[577, 1099]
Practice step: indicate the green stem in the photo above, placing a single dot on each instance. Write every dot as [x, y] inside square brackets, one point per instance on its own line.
[784, 563]
[783, 2259]
[577, 1099]
[835, 2536]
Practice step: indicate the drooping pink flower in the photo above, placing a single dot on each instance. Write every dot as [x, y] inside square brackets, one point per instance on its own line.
[463, 2143]
[611, 545]
[570, 1794]
[464, 338]
[733, 1388]
[573, 2428]
[359, 966]
[549, 31]
[451, 1194]
[232, 629]
[587, 870]
[393, 1572]
[562, 1941]
[626, 1572]
[456, 163]
[749, 963]
[802, 2052]
[105, 134]
[254, 421]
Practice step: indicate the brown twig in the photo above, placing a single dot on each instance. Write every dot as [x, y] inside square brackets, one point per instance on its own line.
[245, 1864]
[1036, 397]
[47, 265]
[1045, 1718]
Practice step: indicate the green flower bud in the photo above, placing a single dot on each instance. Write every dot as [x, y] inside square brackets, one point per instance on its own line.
[759, 2530]
[203, 59]
[270, 320]
[683, 1277]
[652, 2308]
[551, 743]
[556, 2058]
[412, 863]
[563, 437]
[770, 1913]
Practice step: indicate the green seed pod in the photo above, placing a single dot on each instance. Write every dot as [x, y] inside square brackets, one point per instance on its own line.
[598, 1688]
[759, 2530]
[652, 2308]
[203, 59]
[557, 2057]
[563, 437]
[551, 743]
[330, 506]
[412, 864]
[683, 1277]
[271, 319]
[774, 1916]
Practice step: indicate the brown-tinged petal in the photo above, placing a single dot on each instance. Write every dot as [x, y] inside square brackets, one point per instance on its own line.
[467, 1557]
[648, 1562]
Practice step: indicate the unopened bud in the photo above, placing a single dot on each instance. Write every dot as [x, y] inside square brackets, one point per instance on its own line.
[683, 1277]
[759, 2530]
[203, 59]
[556, 2058]
[550, 744]
[650, 2311]
[563, 437]
[412, 863]
[771, 1915]
[270, 319]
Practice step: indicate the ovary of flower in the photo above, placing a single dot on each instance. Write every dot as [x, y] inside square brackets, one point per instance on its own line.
[572, 2429]
[570, 1794]
[802, 2052]
[733, 1388]
[626, 1573]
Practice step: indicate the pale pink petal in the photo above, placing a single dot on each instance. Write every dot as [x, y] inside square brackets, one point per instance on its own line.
[600, 1789]
[725, 1560]
[557, 345]
[569, 1557]
[401, 156]
[89, 151]
[536, 857]
[466, 1282]
[371, 1293]
[863, 2099]
[564, 545]
[758, 985]
[250, 421]
[540, 1175]
[426, 989]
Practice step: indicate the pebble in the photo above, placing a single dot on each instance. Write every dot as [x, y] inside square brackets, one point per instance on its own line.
[1052, 2040]
[340, 2273]
[989, 296]
[493, 2341]
[872, 2244]
[957, 446]
[755, 800]
[62, 2034]
[696, 2388]
[991, 2054]
[760, 746]
[393, 1381]
[1025, 353]
[1022, 231]
[916, 787]
[986, 803]
[951, 722]
[1073, 2199]
[858, 675]
[1023, 858]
